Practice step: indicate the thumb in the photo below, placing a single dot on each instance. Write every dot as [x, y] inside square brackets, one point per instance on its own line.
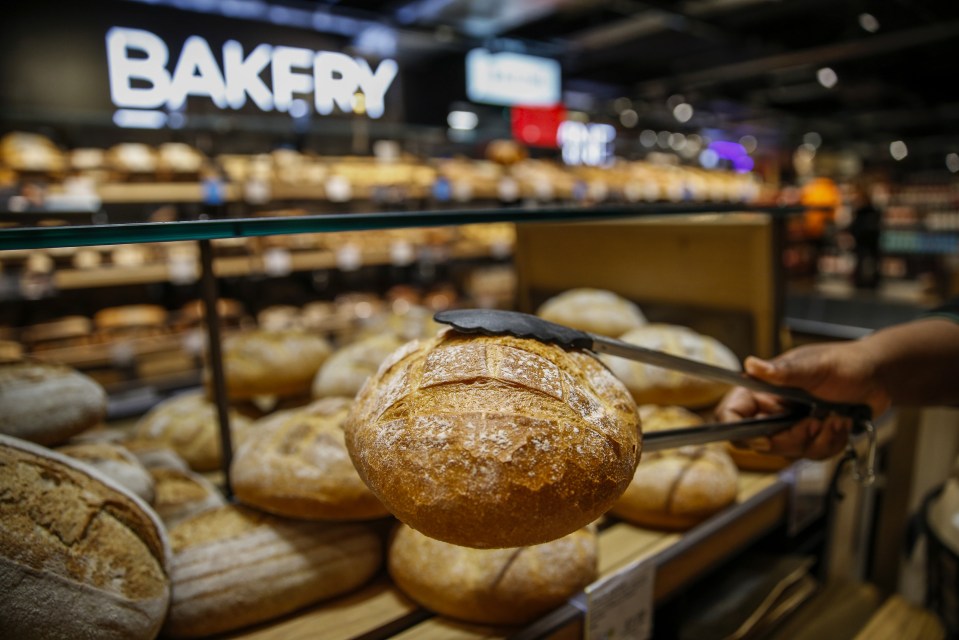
[790, 370]
[768, 370]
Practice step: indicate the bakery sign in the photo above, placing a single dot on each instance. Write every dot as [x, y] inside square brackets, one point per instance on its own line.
[143, 76]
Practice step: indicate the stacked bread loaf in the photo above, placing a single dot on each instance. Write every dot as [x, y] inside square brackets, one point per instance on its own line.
[280, 363]
[593, 310]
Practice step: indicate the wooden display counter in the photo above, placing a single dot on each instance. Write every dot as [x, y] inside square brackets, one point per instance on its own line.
[380, 611]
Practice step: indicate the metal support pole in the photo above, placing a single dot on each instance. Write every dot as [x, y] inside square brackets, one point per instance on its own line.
[208, 291]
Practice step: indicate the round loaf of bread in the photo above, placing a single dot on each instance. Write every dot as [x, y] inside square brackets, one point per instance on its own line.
[750, 460]
[116, 462]
[188, 424]
[348, 368]
[677, 489]
[295, 464]
[655, 385]
[233, 567]
[494, 441]
[281, 363]
[593, 310]
[492, 586]
[80, 557]
[182, 494]
[47, 403]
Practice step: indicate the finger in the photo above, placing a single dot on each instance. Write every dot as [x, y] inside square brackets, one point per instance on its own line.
[831, 440]
[736, 405]
[792, 442]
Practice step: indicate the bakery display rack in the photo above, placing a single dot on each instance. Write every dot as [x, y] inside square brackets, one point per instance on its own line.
[379, 610]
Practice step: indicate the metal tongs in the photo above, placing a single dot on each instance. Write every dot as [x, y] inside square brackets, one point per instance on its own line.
[522, 325]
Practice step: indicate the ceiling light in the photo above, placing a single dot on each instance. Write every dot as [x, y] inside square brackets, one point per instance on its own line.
[868, 22]
[898, 150]
[813, 139]
[827, 77]
[952, 162]
[683, 112]
[749, 143]
[648, 138]
[462, 120]
[629, 118]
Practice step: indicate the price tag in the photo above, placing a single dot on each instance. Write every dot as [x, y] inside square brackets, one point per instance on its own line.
[338, 189]
[621, 605]
[182, 268]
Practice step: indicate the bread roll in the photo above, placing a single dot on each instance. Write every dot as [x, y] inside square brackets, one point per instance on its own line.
[182, 494]
[494, 441]
[47, 403]
[492, 586]
[676, 489]
[295, 464]
[347, 369]
[115, 462]
[593, 310]
[750, 460]
[655, 385]
[233, 567]
[79, 556]
[281, 363]
[188, 424]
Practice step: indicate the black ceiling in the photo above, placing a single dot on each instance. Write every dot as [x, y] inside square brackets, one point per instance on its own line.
[740, 63]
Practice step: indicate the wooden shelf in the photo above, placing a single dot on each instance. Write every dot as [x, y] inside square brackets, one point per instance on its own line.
[380, 610]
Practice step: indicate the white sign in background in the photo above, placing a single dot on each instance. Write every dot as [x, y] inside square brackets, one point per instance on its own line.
[512, 79]
[620, 606]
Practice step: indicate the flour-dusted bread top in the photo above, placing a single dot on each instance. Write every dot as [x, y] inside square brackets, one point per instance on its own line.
[656, 385]
[188, 424]
[593, 310]
[47, 403]
[492, 586]
[281, 363]
[181, 494]
[294, 463]
[80, 557]
[494, 441]
[677, 488]
[348, 368]
[116, 462]
[234, 566]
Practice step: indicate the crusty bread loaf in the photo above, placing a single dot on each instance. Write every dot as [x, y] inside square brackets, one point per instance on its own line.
[234, 566]
[188, 424]
[348, 368]
[47, 403]
[492, 586]
[295, 464]
[677, 489]
[116, 462]
[655, 385]
[281, 363]
[594, 310]
[80, 557]
[750, 460]
[182, 494]
[130, 317]
[494, 441]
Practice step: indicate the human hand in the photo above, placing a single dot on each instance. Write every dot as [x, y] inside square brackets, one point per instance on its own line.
[839, 372]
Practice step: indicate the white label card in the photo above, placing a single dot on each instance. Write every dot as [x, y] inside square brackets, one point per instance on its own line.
[620, 606]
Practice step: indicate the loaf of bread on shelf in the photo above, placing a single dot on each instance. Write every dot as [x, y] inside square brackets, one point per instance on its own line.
[80, 557]
[593, 310]
[47, 403]
[750, 460]
[295, 464]
[492, 586]
[280, 363]
[132, 158]
[10, 351]
[180, 494]
[494, 441]
[188, 424]
[656, 385]
[115, 462]
[349, 367]
[234, 567]
[69, 331]
[679, 488]
[31, 152]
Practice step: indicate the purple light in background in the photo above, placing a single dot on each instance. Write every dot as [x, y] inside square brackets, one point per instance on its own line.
[743, 164]
[727, 149]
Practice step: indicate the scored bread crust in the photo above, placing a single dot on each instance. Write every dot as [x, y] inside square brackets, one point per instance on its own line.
[114, 461]
[47, 403]
[181, 494]
[234, 566]
[656, 385]
[494, 441]
[492, 586]
[74, 541]
[280, 363]
[294, 463]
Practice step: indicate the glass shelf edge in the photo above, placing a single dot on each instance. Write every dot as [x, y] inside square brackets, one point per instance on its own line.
[87, 235]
